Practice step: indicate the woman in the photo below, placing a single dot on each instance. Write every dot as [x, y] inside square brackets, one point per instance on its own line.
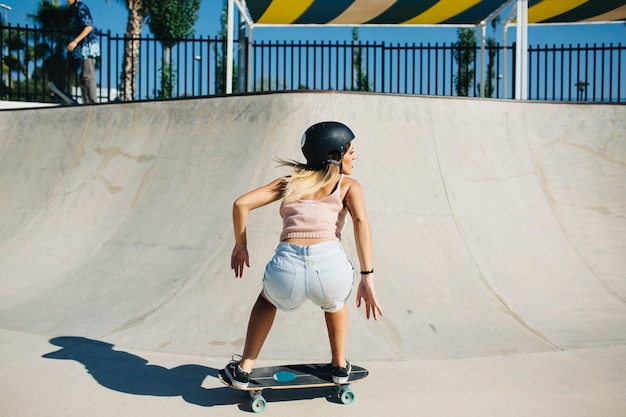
[309, 262]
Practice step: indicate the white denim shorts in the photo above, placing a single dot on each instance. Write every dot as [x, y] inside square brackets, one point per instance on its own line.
[320, 273]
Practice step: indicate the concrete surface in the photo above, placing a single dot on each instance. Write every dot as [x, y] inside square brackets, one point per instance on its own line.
[499, 239]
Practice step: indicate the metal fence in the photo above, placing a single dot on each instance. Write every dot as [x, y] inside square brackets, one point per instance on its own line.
[389, 68]
[580, 73]
[196, 67]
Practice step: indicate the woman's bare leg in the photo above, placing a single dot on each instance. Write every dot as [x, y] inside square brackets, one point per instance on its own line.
[259, 326]
[337, 324]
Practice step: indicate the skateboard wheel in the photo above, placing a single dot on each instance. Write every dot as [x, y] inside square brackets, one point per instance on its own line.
[258, 404]
[346, 396]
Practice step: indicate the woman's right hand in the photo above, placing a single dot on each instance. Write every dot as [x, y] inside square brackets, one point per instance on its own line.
[238, 258]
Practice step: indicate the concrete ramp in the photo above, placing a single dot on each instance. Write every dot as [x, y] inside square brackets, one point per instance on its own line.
[499, 227]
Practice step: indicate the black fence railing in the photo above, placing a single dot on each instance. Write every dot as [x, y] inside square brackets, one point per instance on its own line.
[577, 73]
[404, 69]
[192, 67]
[196, 67]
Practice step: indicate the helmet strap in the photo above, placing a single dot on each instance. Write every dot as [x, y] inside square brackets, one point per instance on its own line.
[333, 162]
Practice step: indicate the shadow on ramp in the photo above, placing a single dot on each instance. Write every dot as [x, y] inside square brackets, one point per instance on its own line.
[131, 374]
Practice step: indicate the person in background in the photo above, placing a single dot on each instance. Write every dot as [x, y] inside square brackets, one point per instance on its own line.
[86, 49]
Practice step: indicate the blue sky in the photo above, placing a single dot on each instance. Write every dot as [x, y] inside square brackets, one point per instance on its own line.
[112, 15]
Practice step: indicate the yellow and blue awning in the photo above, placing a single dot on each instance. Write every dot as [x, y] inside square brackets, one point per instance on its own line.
[425, 12]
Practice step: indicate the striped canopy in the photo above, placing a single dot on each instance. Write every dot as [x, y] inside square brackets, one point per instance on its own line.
[425, 12]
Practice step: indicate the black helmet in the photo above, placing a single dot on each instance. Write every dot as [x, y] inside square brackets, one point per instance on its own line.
[323, 138]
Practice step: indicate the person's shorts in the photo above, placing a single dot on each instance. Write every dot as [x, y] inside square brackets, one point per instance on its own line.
[320, 273]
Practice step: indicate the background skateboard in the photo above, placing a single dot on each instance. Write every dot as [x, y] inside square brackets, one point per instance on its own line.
[56, 90]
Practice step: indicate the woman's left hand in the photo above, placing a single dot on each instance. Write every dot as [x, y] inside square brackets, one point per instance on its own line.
[366, 293]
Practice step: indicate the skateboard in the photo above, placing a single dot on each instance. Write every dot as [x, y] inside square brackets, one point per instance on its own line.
[56, 90]
[295, 376]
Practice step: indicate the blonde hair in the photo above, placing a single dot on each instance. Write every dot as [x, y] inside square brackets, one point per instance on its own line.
[304, 181]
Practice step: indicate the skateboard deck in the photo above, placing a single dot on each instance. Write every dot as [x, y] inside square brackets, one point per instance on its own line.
[296, 376]
[56, 90]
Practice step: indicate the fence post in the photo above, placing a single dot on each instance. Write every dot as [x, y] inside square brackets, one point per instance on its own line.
[521, 68]
[229, 47]
[483, 35]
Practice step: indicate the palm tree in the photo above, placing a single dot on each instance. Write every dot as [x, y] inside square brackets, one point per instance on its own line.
[50, 44]
[12, 42]
[136, 16]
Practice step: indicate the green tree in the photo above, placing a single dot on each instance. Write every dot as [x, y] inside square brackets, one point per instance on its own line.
[14, 60]
[50, 46]
[362, 80]
[490, 82]
[43, 58]
[170, 21]
[465, 55]
[52, 16]
[168, 80]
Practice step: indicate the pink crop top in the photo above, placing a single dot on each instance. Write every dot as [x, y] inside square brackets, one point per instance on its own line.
[309, 219]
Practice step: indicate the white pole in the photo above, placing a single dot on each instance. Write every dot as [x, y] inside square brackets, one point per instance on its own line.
[505, 29]
[250, 60]
[483, 35]
[507, 23]
[244, 16]
[6, 16]
[525, 51]
[521, 51]
[229, 47]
